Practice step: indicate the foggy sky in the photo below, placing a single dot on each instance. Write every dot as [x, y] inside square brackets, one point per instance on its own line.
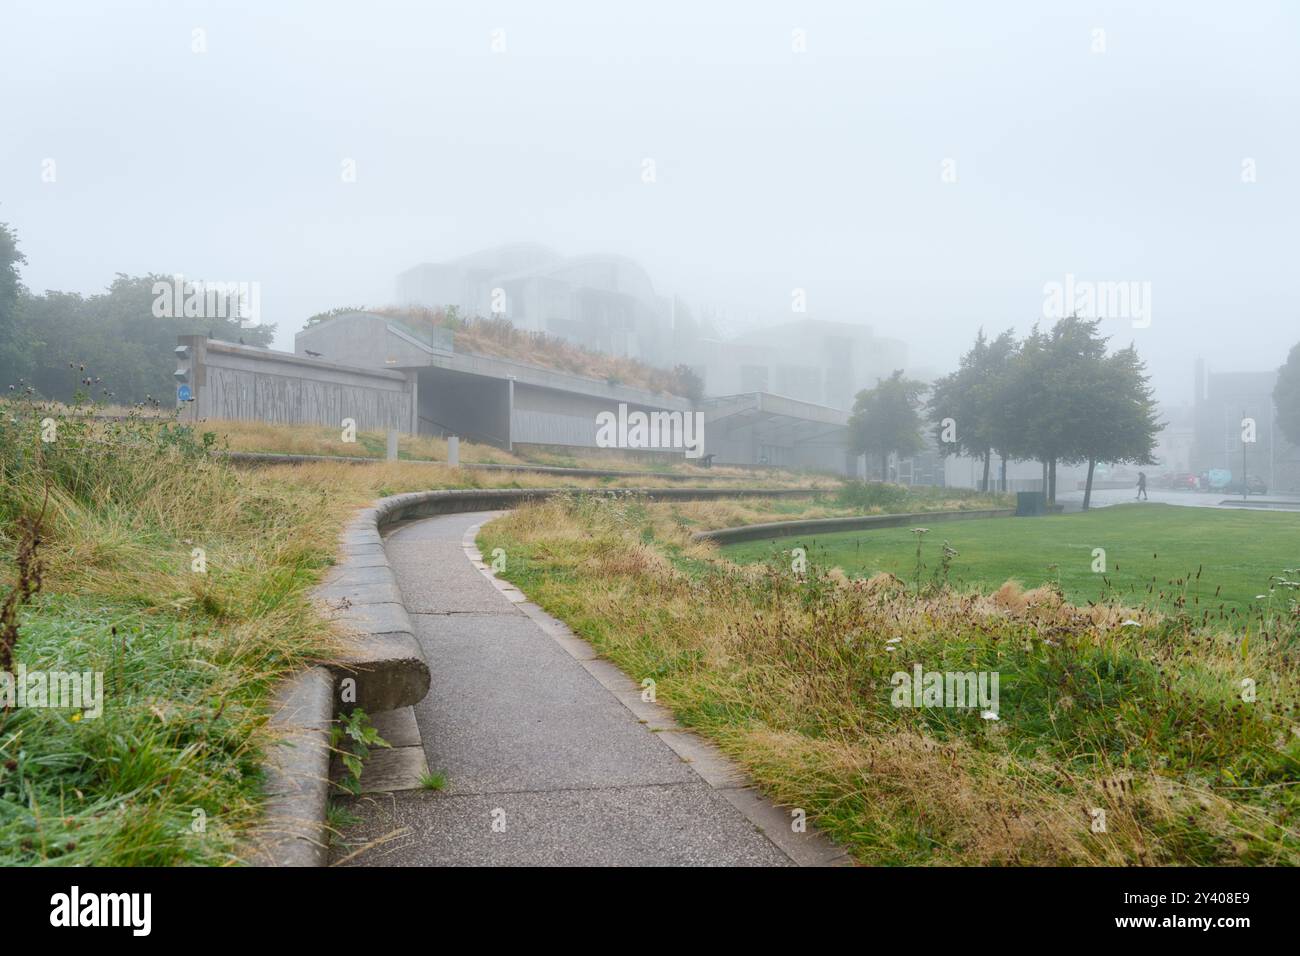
[775, 170]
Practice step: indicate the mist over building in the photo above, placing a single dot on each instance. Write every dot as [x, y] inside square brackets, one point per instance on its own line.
[601, 302]
[610, 304]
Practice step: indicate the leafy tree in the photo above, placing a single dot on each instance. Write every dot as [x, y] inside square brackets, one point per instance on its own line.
[14, 346]
[1065, 400]
[687, 382]
[973, 397]
[125, 348]
[887, 419]
[1286, 396]
[1047, 391]
[1119, 421]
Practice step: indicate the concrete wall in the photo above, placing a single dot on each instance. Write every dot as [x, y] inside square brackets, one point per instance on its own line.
[775, 445]
[375, 341]
[474, 407]
[545, 417]
[254, 384]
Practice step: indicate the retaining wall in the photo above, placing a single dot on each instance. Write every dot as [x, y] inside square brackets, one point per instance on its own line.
[784, 529]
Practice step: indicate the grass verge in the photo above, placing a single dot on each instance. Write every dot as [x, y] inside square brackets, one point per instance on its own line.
[1107, 715]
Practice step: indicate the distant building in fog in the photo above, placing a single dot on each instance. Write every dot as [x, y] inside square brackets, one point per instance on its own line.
[605, 303]
[1175, 450]
[1221, 401]
[812, 360]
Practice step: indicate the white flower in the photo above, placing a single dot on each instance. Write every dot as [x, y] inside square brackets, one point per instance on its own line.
[990, 715]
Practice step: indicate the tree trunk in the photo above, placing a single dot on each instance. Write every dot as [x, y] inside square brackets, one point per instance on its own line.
[1044, 479]
[1003, 487]
[984, 482]
[1051, 477]
[1087, 491]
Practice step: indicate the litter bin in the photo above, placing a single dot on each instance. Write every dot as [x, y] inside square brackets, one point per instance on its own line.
[1030, 503]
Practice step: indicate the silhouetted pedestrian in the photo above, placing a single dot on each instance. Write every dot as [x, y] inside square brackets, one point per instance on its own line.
[1142, 486]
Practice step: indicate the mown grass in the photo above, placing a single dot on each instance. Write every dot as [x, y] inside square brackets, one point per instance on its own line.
[1206, 561]
[1107, 708]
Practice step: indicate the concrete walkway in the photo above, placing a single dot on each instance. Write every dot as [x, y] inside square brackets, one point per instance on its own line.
[545, 762]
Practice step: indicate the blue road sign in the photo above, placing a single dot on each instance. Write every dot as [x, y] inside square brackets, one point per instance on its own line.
[183, 394]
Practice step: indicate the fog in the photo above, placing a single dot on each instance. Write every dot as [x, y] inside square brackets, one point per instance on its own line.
[472, 125]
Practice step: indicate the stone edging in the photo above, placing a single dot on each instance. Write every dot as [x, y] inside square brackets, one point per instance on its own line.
[783, 529]
[274, 458]
[382, 659]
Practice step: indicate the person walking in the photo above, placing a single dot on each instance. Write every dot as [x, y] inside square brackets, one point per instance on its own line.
[1142, 486]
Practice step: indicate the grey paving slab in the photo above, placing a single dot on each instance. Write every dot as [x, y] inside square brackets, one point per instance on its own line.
[508, 709]
[452, 597]
[683, 824]
[433, 574]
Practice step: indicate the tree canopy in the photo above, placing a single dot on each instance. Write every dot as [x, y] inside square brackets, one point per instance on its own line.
[125, 348]
[971, 397]
[887, 419]
[1286, 396]
[1054, 397]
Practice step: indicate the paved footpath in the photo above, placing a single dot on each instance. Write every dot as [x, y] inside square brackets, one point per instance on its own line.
[546, 762]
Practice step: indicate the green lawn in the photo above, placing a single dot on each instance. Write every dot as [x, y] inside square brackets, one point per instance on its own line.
[1147, 546]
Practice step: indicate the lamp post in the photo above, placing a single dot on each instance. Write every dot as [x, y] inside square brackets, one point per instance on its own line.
[1245, 490]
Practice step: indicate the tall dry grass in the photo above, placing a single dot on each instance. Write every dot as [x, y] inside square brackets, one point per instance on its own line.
[1101, 709]
[247, 436]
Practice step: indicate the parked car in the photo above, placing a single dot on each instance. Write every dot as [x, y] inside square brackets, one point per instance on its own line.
[1215, 479]
[1180, 481]
[1255, 485]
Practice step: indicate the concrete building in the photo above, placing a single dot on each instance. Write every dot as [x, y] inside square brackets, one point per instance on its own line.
[604, 303]
[1176, 443]
[382, 373]
[242, 382]
[811, 360]
[1221, 401]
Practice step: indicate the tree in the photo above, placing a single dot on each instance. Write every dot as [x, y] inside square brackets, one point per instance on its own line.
[1119, 422]
[687, 383]
[1046, 394]
[1286, 396]
[14, 346]
[972, 398]
[117, 337]
[887, 419]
